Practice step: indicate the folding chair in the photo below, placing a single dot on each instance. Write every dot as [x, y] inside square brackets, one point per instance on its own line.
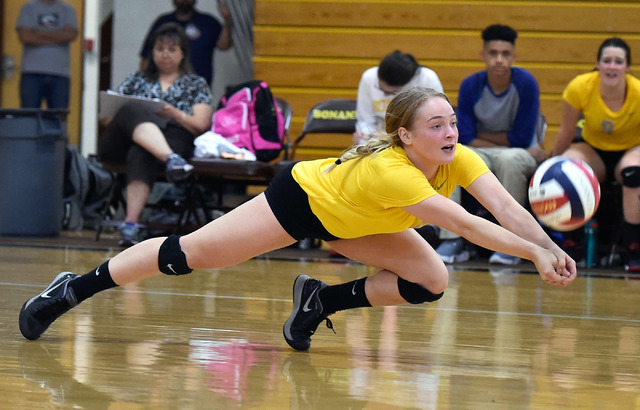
[334, 116]
[287, 113]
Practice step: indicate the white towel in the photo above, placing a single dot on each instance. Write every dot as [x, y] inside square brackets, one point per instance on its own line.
[212, 145]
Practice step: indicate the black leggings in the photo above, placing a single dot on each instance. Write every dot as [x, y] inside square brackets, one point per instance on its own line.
[117, 146]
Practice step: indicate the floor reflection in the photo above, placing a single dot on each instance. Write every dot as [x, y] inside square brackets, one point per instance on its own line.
[498, 338]
[40, 367]
[236, 368]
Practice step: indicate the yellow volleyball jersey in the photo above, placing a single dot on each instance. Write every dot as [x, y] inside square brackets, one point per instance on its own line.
[365, 196]
[604, 129]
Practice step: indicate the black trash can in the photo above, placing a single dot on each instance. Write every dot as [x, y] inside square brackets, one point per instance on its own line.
[32, 146]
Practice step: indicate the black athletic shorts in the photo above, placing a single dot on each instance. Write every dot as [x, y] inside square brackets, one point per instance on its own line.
[610, 159]
[290, 205]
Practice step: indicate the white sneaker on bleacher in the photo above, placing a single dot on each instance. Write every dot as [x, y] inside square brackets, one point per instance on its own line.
[452, 251]
[504, 259]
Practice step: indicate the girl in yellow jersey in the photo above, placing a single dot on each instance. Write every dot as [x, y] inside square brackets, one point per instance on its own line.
[364, 204]
[609, 100]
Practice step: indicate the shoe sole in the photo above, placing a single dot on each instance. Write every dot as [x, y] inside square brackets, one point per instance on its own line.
[505, 262]
[298, 286]
[23, 324]
[124, 243]
[22, 321]
[462, 257]
[178, 174]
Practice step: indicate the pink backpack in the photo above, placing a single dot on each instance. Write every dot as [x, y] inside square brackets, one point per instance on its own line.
[249, 117]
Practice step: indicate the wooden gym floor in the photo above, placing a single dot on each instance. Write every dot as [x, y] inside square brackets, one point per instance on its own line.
[499, 338]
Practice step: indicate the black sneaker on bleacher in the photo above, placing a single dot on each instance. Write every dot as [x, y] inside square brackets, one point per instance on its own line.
[631, 257]
[177, 168]
[575, 250]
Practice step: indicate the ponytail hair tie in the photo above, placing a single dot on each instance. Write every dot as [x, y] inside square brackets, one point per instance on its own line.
[338, 161]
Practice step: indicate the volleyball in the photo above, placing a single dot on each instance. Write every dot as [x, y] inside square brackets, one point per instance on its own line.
[564, 193]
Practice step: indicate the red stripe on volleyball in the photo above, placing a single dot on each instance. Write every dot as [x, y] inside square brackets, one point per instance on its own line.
[567, 228]
[548, 205]
[572, 223]
[595, 186]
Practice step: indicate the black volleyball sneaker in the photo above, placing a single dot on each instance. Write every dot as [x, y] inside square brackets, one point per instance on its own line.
[40, 311]
[307, 313]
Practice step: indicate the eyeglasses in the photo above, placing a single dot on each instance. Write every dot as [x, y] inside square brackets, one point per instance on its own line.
[170, 50]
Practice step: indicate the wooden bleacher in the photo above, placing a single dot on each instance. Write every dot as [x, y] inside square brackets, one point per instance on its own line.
[311, 50]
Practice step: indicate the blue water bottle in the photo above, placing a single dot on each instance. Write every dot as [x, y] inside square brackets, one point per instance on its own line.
[591, 243]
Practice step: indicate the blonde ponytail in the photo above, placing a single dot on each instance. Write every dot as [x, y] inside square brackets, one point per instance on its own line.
[376, 143]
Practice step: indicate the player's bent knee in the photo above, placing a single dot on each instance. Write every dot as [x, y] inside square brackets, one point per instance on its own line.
[438, 279]
[171, 259]
[631, 177]
[416, 294]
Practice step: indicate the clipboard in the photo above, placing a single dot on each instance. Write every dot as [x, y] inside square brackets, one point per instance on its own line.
[111, 101]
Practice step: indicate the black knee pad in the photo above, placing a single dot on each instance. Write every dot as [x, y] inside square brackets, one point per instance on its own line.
[171, 259]
[414, 293]
[631, 177]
